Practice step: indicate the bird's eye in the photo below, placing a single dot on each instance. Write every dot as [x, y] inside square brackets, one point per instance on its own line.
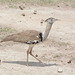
[51, 19]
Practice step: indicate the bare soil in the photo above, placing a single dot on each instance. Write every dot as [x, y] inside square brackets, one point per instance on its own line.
[55, 52]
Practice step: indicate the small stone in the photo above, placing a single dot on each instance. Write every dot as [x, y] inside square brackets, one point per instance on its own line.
[21, 7]
[0, 61]
[69, 62]
[60, 70]
[58, 6]
[35, 12]
[36, 55]
[42, 21]
[61, 61]
[23, 14]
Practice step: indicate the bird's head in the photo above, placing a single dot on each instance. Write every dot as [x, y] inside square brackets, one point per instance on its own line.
[51, 20]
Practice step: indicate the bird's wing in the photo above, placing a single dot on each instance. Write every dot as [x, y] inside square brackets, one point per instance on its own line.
[25, 36]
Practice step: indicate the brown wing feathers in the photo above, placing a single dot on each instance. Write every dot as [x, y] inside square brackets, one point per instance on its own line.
[25, 36]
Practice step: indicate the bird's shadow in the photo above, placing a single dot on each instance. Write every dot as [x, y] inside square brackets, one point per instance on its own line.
[38, 64]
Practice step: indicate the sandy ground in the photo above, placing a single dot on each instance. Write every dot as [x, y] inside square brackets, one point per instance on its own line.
[55, 52]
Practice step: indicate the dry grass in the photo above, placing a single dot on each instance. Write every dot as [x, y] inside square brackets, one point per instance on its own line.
[70, 3]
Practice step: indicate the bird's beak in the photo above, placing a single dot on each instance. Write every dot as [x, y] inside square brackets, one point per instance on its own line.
[57, 19]
[45, 20]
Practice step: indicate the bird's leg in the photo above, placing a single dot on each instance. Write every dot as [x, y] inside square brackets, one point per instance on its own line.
[28, 53]
[33, 55]
[27, 56]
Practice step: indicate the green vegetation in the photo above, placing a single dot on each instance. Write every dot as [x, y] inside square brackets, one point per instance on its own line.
[4, 31]
[58, 55]
[72, 58]
[41, 2]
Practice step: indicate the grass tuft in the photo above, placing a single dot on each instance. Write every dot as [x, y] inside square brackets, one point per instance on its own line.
[58, 55]
[4, 31]
[72, 58]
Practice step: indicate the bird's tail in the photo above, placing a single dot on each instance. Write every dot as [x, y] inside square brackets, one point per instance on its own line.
[7, 38]
[0, 40]
[3, 40]
[0, 43]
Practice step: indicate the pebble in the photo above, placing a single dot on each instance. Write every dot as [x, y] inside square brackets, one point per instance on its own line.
[0, 61]
[36, 55]
[35, 12]
[69, 62]
[60, 70]
[23, 14]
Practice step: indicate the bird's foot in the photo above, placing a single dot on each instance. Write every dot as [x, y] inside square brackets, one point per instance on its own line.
[27, 64]
[40, 61]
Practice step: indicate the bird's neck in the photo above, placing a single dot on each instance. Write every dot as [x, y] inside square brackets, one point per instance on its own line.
[47, 30]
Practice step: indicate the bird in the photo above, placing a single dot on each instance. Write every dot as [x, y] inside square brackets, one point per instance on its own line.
[31, 37]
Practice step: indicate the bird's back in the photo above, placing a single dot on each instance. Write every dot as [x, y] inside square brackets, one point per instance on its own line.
[24, 37]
